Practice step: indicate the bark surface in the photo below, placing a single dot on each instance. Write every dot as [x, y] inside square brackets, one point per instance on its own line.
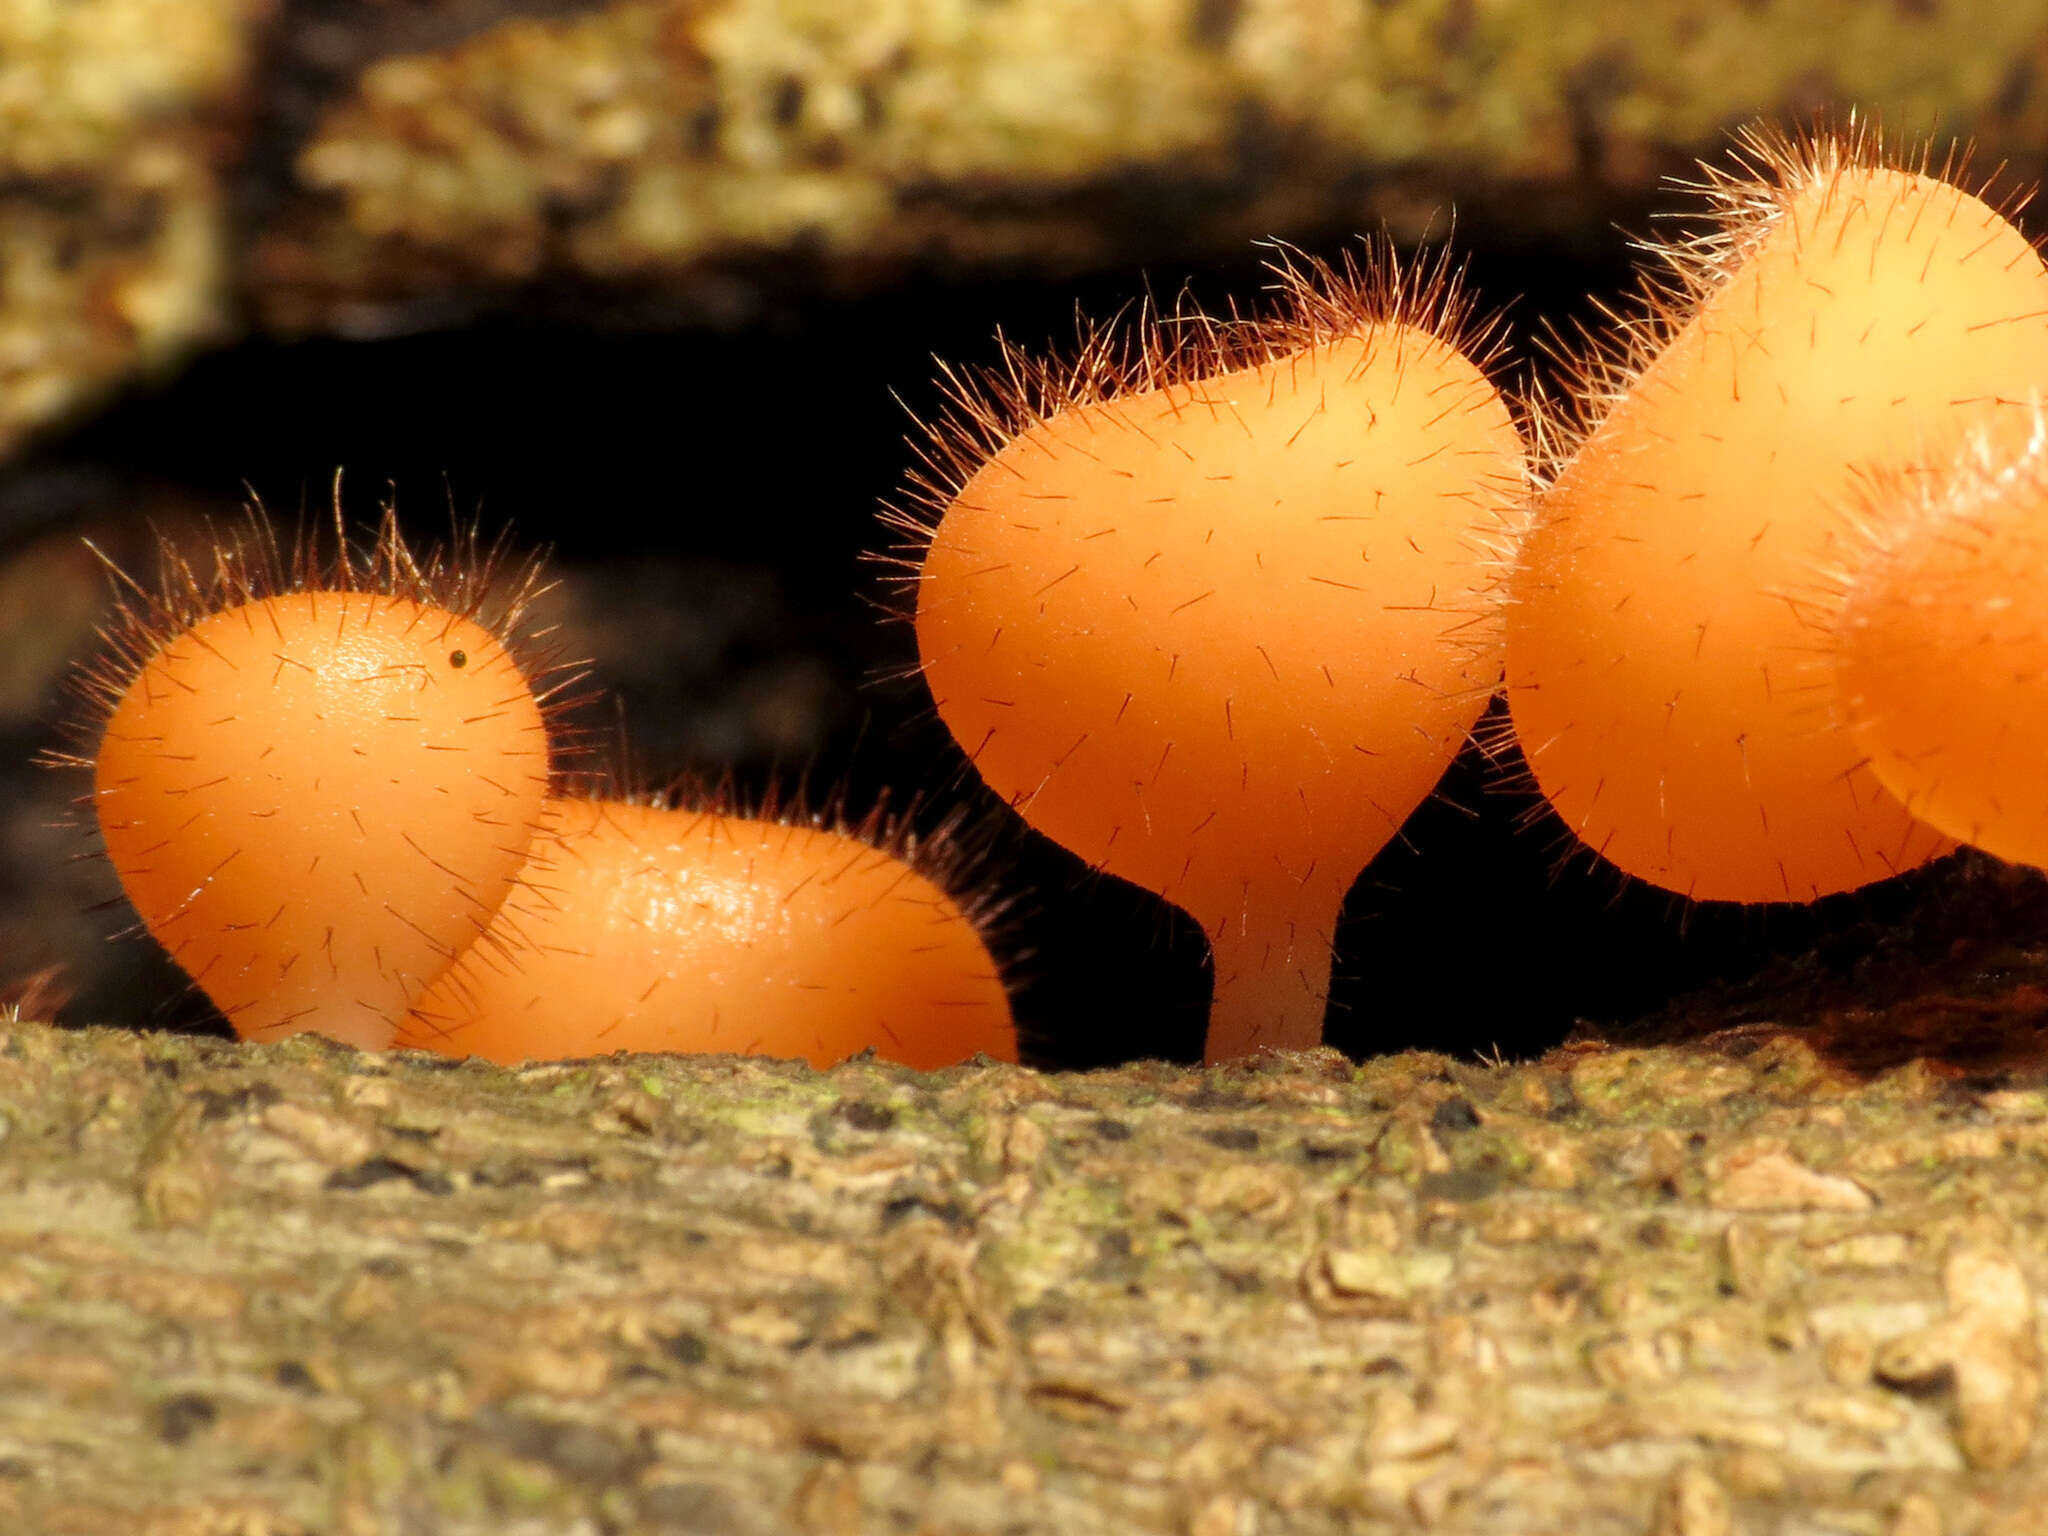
[175, 172]
[1755, 1283]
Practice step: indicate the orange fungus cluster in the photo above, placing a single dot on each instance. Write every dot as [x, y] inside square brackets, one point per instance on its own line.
[326, 787]
[1213, 604]
[1666, 663]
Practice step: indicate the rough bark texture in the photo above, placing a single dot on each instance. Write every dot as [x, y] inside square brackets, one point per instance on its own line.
[1733, 1286]
[115, 117]
[698, 152]
[173, 169]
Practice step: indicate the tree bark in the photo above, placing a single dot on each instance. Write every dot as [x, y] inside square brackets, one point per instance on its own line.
[1740, 1285]
[172, 174]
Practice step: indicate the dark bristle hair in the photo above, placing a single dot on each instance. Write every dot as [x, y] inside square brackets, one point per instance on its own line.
[483, 583]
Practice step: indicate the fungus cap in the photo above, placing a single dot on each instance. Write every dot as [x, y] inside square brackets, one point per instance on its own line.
[645, 928]
[316, 782]
[1942, 643]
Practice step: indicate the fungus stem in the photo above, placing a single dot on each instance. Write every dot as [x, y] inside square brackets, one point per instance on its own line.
[1272, 983]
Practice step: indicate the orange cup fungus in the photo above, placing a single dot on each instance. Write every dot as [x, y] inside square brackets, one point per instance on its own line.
[640, 927]
[1664, 672]
[1213, 605]
[317, 782]
[1941, 645]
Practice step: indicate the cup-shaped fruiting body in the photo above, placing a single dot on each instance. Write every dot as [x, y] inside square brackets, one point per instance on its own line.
[1213, 607]
[318, 781]
[647, 928]
[1941, 643]
[1665, 675]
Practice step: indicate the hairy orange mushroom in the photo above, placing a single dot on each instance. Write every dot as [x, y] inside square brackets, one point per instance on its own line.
[1213, 607]
[318, 780]
[1941, 643]
[647, 928]
[1664, 673]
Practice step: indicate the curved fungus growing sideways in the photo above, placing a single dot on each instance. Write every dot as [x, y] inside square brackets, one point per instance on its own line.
[1665, 669]
[317, 779]
[1214, 605]
[647, 928]
[1941, 643]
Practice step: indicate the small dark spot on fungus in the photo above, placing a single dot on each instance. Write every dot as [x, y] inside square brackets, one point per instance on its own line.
[1233, 1138]
[458, 658]
[863, 1116]
[179, 1418]
[1316, 1152]
[1653, 1234]
[293, 1375]
[1455, 1115]
[1111, 1130]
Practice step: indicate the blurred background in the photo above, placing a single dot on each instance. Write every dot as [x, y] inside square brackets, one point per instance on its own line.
[659, 284]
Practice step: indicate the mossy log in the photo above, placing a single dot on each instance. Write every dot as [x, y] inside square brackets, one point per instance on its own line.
[1737, 1285]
